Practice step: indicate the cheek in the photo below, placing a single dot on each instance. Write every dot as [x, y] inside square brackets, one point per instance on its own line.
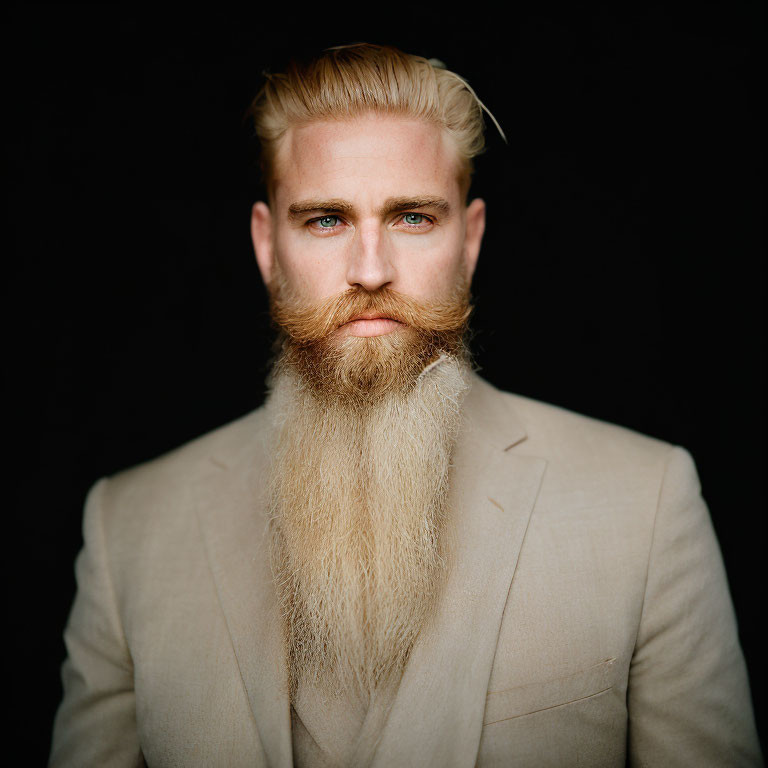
[434, 275]
[306, 274]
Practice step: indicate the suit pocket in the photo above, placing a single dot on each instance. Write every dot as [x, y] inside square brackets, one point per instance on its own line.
[539, 696]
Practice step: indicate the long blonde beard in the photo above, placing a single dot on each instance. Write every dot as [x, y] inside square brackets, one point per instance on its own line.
[358, 503]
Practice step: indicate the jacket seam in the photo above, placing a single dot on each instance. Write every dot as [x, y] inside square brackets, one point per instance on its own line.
[110, 581]
[672, 450]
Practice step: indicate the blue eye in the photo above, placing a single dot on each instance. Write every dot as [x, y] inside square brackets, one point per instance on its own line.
[413, 218]
[328, 221]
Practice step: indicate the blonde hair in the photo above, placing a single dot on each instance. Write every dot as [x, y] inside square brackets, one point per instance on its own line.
[351, 80]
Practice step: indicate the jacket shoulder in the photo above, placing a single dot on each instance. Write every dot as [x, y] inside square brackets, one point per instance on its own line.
[174, 481]
[565, 437]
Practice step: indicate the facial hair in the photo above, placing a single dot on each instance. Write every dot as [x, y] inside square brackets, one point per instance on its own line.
[358, 371]
[363, 432]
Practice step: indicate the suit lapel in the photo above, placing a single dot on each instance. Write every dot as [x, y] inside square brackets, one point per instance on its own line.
[437, 715]
[234, 526]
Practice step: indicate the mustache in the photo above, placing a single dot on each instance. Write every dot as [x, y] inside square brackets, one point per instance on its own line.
[306, 324]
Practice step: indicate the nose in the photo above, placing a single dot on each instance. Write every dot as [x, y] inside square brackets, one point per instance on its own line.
[370, 263]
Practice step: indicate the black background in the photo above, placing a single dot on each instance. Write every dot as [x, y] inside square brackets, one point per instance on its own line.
[621, 274]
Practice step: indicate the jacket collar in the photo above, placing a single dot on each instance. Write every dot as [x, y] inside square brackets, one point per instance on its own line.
[234, 526]
[437, 713]
[437, 716]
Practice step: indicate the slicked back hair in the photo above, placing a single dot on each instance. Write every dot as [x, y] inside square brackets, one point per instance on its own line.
[352, 80]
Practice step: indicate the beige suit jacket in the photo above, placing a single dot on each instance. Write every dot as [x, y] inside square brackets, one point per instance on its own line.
[586, 619]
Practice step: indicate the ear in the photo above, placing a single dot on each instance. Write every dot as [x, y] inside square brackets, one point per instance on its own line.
[261, 235]
[473, 237]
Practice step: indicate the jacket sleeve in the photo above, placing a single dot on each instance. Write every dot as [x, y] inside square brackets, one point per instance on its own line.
[688, 695]
[96, 721]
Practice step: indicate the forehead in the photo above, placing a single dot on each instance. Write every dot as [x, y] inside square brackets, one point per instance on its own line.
[368, 156]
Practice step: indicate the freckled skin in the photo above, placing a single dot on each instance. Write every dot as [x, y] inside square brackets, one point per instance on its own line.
[365, 161]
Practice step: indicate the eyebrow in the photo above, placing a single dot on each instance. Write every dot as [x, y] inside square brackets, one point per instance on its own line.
[390, 205]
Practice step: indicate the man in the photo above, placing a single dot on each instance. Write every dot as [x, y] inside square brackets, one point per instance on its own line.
[392, 563]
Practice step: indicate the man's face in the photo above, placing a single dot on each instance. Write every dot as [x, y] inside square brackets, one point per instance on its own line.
[371, 202]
